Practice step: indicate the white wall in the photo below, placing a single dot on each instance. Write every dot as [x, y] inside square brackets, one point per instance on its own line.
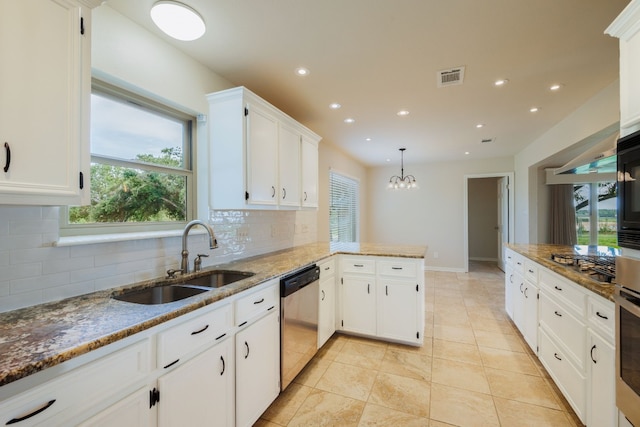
[599, 112]
[483, 218]
[432, 215]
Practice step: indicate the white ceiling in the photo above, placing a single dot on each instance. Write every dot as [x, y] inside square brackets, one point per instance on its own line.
[376, 57]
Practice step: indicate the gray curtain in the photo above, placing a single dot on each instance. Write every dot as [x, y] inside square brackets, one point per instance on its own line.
[563, 215]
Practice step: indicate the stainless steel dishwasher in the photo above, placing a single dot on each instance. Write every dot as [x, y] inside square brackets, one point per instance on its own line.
[298, 321]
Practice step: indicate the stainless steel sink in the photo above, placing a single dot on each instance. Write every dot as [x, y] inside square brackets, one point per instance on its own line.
[160, 294]
[218, 278]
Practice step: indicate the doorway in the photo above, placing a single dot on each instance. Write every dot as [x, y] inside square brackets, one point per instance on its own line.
[488, 217]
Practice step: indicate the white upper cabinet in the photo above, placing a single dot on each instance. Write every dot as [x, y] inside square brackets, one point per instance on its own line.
[309, 172]
[626, 27]
[259, 157]
[289, 165]
[45, 84]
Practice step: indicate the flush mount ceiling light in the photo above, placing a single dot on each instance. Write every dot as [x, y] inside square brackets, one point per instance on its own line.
[178, 20]
[402, 182]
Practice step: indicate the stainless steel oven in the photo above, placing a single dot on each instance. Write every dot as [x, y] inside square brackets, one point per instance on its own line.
[627, 299]
[628, 151]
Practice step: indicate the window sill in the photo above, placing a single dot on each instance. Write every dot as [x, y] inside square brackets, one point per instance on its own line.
[119, 237]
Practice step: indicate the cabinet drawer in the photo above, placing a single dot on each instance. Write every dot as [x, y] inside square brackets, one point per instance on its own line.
[358, 265]
[81, 388]
[327, 268]
[569, 330]
[397, 269]
[186, 337]
[256, 303]
[531, 271]
[563, 290]
[569, 380]
[600, 315]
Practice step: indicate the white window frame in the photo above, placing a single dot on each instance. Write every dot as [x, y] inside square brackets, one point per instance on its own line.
[189, 172]
[350, 187]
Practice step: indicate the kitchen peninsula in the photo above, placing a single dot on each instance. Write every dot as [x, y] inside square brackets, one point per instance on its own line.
[44, 343]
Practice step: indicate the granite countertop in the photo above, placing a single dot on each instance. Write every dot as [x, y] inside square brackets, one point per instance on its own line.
[541, 253]
[42, 336]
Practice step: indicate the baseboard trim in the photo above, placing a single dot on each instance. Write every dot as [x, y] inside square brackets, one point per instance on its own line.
[482, 259]
[445, 269]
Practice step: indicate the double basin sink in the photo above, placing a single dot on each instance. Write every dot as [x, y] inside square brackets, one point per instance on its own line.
[162, 293]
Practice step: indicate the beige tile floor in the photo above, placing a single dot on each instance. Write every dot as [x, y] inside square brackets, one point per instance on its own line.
[474, 370]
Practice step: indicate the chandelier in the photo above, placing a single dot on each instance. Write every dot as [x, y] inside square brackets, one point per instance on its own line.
[402, 182]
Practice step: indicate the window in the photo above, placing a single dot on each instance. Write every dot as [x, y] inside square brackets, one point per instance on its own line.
[596, 213]
[141, 174]
[344, 209]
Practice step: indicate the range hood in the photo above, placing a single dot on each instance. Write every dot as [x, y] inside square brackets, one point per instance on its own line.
[601, 158]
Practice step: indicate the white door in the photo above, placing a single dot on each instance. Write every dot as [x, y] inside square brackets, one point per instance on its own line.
[327, 310]
[503, 218]
[289, 166]
[602, 409]
[262, 157]
[132, 411]
[359, 305]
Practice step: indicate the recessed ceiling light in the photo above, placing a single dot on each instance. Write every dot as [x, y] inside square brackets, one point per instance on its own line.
[349, 120]
[178, 20]
[501, 82]
[367, 139]
[555, 87]
[403, 113]
[534, 109]
[479, 125]
[388, 160]
[301, 71]
[466, 152]
[334, 105]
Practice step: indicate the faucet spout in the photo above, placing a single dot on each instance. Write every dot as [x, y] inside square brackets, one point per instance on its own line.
[213, 243]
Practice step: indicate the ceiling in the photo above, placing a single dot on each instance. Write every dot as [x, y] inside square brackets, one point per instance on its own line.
[377, 57]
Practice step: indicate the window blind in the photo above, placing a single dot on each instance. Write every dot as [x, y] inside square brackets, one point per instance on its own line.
[344, 208]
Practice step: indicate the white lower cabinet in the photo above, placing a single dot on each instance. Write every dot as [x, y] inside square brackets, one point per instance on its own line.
[132, 411]
[327, 302]
[68, 398]
[575, 337]
[358, 299]
[569, 379]
[383, 298]
[601, 410]
[398, 309]
[257, 368]
[200, 391]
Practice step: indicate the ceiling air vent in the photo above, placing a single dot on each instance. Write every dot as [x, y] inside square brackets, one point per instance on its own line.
[487, 140]
[450, 77]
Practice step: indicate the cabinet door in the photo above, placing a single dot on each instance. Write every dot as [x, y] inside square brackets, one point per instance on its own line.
[518, 300]
[257, 368]
[509, 289]
[398, 310]
[132, 411]
[289, 166]
[358, 299]
[200, 392]
[262, 156]
[43, 85]
[309, 173]
[327, 309]
[530, 330]
[602, 409]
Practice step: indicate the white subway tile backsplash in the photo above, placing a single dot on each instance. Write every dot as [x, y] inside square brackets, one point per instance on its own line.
[33, 271]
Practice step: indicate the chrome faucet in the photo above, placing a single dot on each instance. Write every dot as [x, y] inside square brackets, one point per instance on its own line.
[213, 243]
